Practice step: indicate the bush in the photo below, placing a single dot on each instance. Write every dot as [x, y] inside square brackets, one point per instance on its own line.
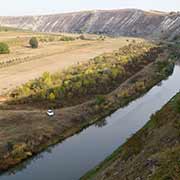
[4, 48]
[100, 99]
[101, 38]
[34, 42]
[82, 37]
[51, 97]
[67, 38]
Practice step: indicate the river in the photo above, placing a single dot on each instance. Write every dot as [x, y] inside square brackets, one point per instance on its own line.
[78, 154]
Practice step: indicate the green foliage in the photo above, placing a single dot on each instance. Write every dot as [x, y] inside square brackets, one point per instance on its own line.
[34, 42]
[177, 104]
[4, 48]
[165, 67]
[100, 100]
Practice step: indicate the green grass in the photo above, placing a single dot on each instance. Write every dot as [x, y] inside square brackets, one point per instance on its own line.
[4, 48]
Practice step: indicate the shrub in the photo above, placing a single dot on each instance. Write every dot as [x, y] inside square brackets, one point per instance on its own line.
[102, 38]
[51, 97]
[67, 38]
[34, 42]
[4, 48]
[100, 100]
[82, 37]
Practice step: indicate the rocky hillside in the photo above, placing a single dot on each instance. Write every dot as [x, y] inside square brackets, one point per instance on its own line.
[125, 22]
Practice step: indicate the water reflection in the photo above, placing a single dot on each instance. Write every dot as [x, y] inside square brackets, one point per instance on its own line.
[101, 123]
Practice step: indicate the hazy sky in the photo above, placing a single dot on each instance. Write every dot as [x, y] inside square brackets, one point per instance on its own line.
[25, 7]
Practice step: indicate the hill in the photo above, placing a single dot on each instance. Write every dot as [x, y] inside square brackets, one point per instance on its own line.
[124, 22]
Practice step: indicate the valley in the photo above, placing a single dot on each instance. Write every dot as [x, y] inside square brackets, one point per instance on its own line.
[108, 78]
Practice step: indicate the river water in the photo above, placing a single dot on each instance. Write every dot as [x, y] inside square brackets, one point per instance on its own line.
[78, 154]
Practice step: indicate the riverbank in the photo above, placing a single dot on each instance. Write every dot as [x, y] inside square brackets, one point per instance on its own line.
[152, 153]
[42, 131]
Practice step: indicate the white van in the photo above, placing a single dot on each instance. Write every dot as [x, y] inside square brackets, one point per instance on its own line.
[50, 113]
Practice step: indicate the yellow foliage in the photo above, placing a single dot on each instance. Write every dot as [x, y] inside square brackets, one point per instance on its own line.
[51, 97]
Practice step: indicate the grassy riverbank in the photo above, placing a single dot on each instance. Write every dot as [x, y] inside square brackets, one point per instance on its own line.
[27, 131]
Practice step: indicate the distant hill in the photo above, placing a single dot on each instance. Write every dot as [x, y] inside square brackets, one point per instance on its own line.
[124, 22]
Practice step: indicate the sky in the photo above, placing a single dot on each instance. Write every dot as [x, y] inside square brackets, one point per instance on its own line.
[37, 7]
